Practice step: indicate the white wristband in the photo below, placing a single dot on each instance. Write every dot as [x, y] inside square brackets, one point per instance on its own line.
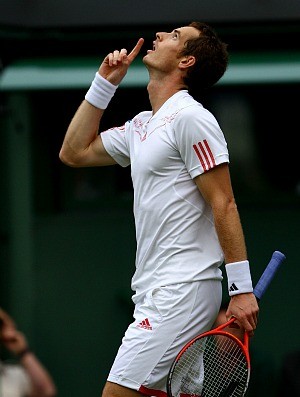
[239, 278]
[100, 93]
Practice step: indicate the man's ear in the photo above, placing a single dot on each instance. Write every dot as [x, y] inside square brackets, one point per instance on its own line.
[187, 61]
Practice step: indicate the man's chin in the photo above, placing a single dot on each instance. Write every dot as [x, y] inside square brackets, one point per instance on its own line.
[149, 61]
[146, 59]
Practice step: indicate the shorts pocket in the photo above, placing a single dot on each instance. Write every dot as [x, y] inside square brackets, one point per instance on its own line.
[162, 299]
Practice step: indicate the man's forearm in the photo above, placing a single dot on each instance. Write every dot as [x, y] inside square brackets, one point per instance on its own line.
[230, 232]
[82, 130]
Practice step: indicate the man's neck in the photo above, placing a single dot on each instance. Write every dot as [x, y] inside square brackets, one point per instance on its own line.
[160, 90]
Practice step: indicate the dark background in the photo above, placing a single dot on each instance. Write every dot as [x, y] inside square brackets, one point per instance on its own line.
[36, 13]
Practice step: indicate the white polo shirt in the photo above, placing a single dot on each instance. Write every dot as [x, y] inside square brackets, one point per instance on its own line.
[175, 233]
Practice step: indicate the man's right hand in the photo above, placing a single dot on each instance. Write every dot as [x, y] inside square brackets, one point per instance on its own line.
[115, 65]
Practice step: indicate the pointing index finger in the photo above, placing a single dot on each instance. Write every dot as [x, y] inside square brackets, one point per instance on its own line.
[136, 49]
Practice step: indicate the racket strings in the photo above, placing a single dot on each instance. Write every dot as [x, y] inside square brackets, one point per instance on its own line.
[213, 366]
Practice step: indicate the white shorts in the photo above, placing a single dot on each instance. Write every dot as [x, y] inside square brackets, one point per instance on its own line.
[165, 320]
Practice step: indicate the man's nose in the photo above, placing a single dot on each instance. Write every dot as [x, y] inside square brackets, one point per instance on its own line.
[160, 35]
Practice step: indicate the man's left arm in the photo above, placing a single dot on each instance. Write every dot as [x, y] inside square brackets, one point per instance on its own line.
[215, 187]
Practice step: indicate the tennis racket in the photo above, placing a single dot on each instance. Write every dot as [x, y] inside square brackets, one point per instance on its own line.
[217, 363]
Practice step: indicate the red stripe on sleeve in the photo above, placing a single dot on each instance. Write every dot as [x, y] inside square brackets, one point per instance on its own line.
[200, 157]
[209, 152]
[205, 155]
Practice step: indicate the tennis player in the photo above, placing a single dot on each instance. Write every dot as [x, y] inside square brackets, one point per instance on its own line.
[187, 222]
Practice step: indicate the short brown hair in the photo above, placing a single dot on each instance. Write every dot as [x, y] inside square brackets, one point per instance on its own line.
[211, 58]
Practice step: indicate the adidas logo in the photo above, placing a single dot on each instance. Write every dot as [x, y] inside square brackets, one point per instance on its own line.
[233, 287]
[145, 324]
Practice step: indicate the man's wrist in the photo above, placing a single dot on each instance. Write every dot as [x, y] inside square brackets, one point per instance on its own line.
[23, 352]
[239, 278]
[100, 92]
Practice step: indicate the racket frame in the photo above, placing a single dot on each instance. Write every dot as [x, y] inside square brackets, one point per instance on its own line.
[243, 345]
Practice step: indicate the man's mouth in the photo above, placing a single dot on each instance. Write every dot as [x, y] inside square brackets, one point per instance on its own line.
[153, 49]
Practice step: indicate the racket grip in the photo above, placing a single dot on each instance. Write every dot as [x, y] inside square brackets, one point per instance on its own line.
[268, 274]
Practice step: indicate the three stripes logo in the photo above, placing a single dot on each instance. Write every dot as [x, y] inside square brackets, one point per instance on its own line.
[233, 287]
[205, 155]
[145, 324]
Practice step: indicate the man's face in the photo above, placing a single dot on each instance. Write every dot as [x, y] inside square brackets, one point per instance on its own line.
[167, 46]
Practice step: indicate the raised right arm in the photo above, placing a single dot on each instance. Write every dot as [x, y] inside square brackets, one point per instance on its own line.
[82, 146]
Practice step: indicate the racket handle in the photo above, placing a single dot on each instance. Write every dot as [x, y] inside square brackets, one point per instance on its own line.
[268, 274]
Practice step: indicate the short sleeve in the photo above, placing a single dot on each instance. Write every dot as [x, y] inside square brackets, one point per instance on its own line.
[199, 139]
[116, 144]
